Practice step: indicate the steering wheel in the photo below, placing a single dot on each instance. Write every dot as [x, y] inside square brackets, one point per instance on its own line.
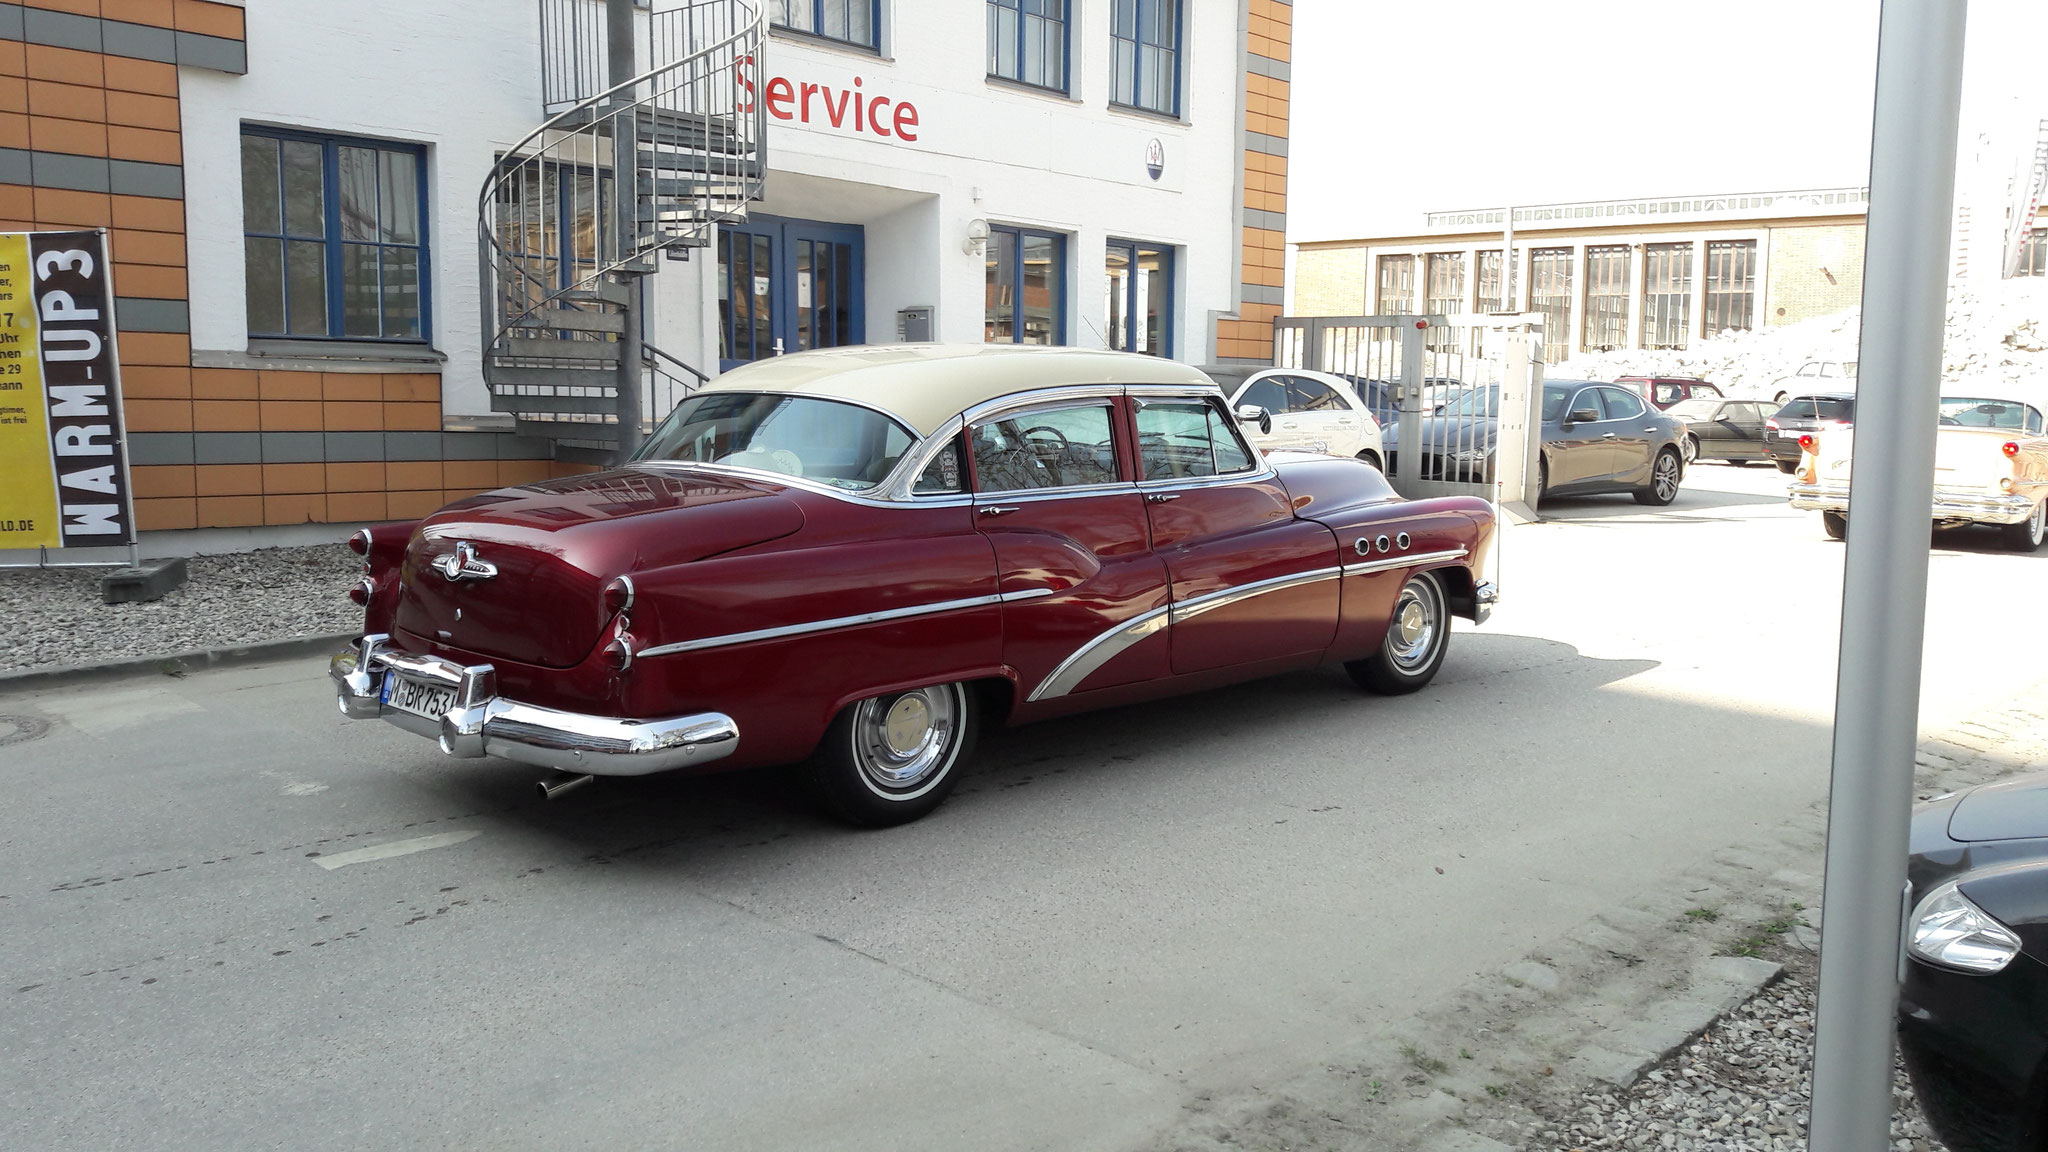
[1062, 436]
[1950, 420]
[767, 460]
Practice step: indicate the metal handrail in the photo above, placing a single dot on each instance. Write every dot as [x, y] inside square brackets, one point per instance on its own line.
[572, 152]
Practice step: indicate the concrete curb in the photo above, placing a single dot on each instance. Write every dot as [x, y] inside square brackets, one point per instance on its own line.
[176, 664]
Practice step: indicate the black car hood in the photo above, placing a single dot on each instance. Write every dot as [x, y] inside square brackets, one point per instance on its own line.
[2015, 809]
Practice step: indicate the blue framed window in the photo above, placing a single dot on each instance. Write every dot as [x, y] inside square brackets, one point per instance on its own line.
[1140, 316]
[1145, 55]
[1026, 287]
[847, 21]
[334, 237]
[1027, 42]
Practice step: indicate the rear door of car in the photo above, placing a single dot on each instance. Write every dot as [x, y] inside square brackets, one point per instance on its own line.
[1250, 582]
[1053, 495]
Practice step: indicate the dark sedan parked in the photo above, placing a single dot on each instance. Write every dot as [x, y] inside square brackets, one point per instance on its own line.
[1731, 430]
[1807, 412]
[1597, 437]
[1973, 1012]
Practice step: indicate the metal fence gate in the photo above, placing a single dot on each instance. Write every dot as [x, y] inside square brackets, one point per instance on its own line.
[1461, 391]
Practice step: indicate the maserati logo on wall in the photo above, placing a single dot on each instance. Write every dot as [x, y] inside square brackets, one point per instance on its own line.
[1155, 158]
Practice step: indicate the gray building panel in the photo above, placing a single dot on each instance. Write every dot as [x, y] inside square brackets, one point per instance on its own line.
[78, 173]
[142, 314]
[1270, 145]
[140, 178]
[160, 447]
[293, 447]
[222, 55]
[61, 30]
[227, 448]
[1271, 68]
[516, 447]
[469, 446]
[354, 446]
[1263, 294]
[16, 165]
[1260, 218]
[11, 22]
[412, 445]
[139, 41]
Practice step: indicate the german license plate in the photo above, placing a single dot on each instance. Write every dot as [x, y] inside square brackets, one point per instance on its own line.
[418, 697]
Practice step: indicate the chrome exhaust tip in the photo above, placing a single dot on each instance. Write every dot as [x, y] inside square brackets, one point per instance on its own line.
[557, 783]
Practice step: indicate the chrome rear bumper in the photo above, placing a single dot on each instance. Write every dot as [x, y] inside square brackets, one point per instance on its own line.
[1974, 507]
[482, 723]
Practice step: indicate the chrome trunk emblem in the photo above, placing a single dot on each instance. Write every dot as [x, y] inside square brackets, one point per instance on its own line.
[462, 564]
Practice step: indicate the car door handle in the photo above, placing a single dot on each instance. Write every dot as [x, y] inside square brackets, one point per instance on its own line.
[1649, 429]
[1162, 497]
[1608, 436]
[992, 510]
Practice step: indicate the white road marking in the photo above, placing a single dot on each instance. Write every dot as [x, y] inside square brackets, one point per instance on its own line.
[395, 848]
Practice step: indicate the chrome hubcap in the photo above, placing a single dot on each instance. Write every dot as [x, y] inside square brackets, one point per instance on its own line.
[1412, 639]
[902, 744]
[2037, 527]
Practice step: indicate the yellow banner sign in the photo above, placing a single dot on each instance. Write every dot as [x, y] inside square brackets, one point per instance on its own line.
[63, 455]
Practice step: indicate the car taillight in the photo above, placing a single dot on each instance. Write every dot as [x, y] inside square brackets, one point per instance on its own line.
[619, 653]
[618, 595]
[1806, 442]
[2011, 448]
[360, 542]
[360, 594]
[1773, 424]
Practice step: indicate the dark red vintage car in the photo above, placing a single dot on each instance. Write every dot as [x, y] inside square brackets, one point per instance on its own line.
[853, 560]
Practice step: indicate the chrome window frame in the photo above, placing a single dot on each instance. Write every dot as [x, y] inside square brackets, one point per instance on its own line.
[1088, 398]
[1143, 394]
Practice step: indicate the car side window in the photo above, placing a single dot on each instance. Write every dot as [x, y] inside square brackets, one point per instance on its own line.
[1619, 404]
[1267, 393]
[2033, 420]
[1182, 440]
[1305, 395]
[943, 474]
[1669, 393]
[1045, 448]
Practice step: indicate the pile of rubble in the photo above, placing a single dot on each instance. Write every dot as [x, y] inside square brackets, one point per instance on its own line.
[1997, 341]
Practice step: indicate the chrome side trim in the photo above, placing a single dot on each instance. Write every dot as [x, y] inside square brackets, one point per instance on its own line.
[1209, 602]
[1099, 651]
[1118, 639]
[788, 630]
[1411, 560]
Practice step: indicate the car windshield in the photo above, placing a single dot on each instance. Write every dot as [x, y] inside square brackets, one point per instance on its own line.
[1694, 409]
[1978, 412]
[1474, 402]
[834, 443]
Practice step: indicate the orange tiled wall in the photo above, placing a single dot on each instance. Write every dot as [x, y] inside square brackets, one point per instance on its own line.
[1263, 251]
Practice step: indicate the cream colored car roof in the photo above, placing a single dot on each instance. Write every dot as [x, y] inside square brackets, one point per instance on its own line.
[927, 384]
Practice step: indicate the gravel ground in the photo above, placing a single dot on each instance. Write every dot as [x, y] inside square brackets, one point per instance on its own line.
[55, 618]
[1742, 1086]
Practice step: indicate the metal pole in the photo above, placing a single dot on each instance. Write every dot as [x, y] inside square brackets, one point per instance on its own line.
[626, 220]
[1507, 262]
[1884, 590]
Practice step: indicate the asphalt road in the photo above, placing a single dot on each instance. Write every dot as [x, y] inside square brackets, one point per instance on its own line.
[231, 919]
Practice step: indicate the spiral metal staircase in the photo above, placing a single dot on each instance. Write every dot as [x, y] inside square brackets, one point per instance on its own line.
[575, 217]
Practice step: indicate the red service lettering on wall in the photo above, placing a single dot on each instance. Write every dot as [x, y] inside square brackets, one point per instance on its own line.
[842, 108]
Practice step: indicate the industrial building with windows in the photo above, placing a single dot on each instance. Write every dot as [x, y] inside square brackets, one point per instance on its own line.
[298, 192]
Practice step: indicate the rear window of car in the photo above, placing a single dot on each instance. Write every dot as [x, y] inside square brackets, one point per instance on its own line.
[1818, 408]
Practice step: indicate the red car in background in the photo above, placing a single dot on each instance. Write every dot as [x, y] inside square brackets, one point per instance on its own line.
[854, 559]
[1664, 391]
